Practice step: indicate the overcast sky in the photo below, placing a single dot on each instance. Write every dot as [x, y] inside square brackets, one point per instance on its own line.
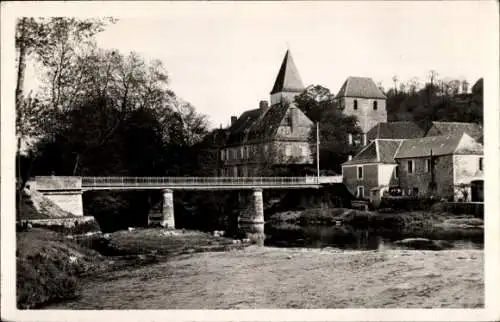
[224, 57]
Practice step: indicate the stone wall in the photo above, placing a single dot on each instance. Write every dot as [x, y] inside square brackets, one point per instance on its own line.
[367, 116]
[70, 201]
[420, 179]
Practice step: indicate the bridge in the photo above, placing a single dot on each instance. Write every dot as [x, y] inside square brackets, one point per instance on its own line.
[67, 192]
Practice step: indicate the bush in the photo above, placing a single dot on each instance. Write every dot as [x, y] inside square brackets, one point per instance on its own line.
[48, 266]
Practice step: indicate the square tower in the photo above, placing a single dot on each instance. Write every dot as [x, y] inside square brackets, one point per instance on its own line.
[360, 96]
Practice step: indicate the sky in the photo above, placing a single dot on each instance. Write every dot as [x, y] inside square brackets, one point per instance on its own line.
[224, 57]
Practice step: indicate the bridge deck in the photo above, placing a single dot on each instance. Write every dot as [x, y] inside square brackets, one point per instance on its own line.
[197, 183]
[60, 183]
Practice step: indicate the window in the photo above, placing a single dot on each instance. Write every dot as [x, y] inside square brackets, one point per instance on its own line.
[242, 152]
[410, 166]
[481, 164]
[288, 150]
[375, 105]
[360, 172]
[222, 154]
[427, 165]
[396, 172]
[361, 192]
[355, 104]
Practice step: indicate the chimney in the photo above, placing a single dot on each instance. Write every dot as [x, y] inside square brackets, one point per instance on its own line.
[233, 119]
[349, 138]
[263, 104]
[349, 157]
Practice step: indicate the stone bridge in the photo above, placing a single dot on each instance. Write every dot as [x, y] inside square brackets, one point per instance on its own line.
[67, 192]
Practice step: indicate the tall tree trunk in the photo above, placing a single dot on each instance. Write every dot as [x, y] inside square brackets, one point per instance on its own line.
[21, 67]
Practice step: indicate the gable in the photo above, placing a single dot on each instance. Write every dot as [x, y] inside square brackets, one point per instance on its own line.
[467, 145]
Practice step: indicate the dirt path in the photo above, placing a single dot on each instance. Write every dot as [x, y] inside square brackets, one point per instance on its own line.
[294, 278]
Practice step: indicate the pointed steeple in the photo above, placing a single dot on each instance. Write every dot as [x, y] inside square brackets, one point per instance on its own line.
[288, 79]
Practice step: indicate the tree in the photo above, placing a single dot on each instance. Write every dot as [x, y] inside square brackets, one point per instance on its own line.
[313, 99]
[334, 127]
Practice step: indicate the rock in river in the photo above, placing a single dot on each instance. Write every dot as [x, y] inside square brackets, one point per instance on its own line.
[423, 243]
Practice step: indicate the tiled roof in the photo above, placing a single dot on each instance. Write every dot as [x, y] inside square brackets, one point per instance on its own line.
[239, 129]
[288, 78]
[377, 151]
[457, 129]
[440, 145]
[395, 130]
[266, 126]
[363, 87]
[387, 150]
[259, 124]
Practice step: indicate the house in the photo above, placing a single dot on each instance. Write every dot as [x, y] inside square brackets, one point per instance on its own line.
[457, 129]
[269, 135]
[369, 173]
[395, 130]
[444, 166]
[360, 96]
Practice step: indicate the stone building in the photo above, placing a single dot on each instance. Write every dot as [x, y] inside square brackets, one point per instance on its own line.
[369, 173]
[360, 96]
[444, 166]
[275, 134]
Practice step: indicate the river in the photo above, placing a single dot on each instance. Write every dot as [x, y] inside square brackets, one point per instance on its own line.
[349, 238]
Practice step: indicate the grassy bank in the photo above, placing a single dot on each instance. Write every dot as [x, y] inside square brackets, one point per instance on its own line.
[51, 266]
[412, 220]
[293, 278]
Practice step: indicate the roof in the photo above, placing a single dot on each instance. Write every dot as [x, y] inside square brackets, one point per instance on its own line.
[363, 87]
[377, 151]
[260, 124]
[288, 79]
[395, 130]
[239, 129]
[457, 129]
[439, 145]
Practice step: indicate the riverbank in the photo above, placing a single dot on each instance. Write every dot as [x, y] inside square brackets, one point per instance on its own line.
[52, 265]
[440, 222]
[257, 277]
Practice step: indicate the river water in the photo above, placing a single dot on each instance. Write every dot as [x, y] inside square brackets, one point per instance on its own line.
[349, 238]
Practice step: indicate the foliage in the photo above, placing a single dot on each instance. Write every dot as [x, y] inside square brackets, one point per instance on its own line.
[318, 103]
[436, 100]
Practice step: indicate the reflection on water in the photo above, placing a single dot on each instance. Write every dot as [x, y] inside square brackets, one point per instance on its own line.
[347, 237]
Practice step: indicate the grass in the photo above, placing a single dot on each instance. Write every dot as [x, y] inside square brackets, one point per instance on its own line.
[48, 267]
[277, 278]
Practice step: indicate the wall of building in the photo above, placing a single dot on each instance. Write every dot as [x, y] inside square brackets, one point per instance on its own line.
[465, 170]
[421, 179]
[385, 175]
[369, 181]
[367, 116]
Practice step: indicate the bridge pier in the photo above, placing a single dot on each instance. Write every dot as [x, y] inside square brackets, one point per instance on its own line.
[168, 220]
[251, 219]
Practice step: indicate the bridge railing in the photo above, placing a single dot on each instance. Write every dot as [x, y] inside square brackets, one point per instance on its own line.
[194, 181]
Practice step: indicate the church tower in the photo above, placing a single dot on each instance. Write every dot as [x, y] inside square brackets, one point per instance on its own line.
[288, 83]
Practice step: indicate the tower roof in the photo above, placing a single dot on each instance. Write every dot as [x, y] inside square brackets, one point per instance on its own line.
[288, 79]
[363, 87]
